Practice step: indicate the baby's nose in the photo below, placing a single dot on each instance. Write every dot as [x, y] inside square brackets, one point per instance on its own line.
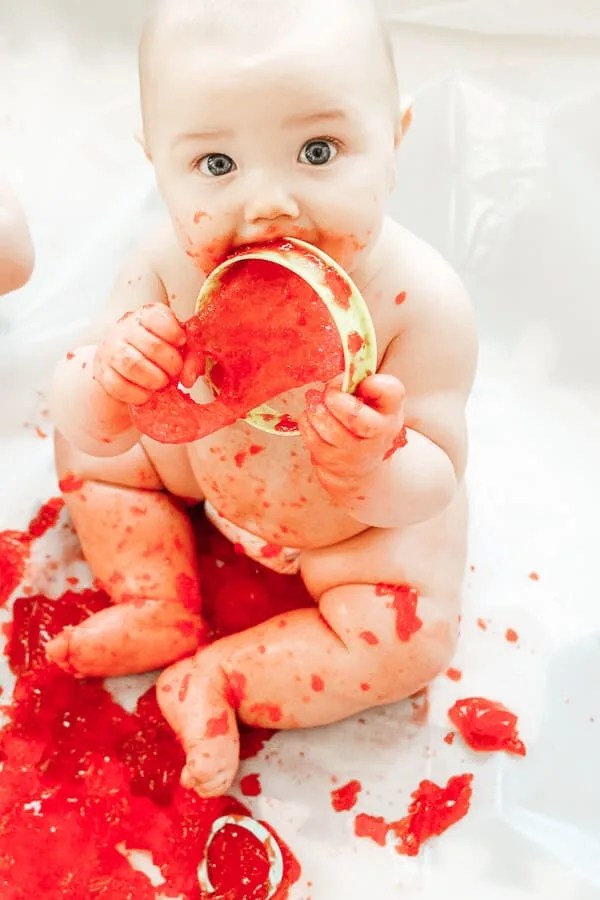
[269, 200]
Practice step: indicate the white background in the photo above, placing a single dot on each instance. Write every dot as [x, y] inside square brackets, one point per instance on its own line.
[501, 172]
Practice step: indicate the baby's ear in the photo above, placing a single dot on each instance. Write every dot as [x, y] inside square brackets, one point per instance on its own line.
[405, 115]
[141, 140]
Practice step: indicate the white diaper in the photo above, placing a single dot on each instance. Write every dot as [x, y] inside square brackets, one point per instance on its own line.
[285, 560]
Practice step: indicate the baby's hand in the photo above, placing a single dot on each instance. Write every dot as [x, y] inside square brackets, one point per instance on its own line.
[141, 355]
[349, 436]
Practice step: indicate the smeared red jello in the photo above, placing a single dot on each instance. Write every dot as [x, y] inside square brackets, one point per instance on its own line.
[14, 554]
[81, 776]
[432, 811]
[346, 797]
[265, 332]
[486, 726]
[405, 601]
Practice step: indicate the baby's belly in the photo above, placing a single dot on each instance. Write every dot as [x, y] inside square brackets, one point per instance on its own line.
[266, 484]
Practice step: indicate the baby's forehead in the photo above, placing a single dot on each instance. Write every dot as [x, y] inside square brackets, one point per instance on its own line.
[337, 43]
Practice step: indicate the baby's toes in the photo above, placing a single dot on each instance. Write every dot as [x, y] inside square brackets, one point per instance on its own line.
[60, 650]
[211, 774]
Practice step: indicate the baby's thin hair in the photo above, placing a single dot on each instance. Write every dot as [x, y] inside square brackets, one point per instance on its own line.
[250, 17]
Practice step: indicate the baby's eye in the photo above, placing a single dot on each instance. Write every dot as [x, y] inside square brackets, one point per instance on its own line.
[318, 153]
[216, 164]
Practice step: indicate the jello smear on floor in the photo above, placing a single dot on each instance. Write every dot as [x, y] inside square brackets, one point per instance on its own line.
[83, 781]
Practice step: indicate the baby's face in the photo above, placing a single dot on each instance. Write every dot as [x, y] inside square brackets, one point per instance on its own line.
[251, 146]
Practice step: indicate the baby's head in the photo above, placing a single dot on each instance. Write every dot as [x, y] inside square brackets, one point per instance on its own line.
[270, 118]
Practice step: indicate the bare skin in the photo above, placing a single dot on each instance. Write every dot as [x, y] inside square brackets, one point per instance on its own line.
[16, 249]
[362, 518]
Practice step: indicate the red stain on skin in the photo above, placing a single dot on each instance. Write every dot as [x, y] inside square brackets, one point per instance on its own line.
[255, 449]
[454, 674]
[70, 356]
[400, 298]
[369, 638]
[399, 442]
[250, 786]
[511, 636]
[199, 215]
[40, 432]
[486, 726]
[405, 603]
[240, 459]
[313, 400]
[218, 726]
[450, 738]
[317, 683]
[184, 687]
[70, 483]
[365, 687]
[271, 551]
[534, 576]
[269, 711]
[188, 591]
[355, 342]
[235, 689]
[346, 797]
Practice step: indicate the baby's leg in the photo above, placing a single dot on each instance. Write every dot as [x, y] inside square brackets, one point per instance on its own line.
[140, 545]
[385, 626]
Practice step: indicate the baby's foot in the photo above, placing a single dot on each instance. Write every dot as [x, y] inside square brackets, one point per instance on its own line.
[191, 697]
[128, 638]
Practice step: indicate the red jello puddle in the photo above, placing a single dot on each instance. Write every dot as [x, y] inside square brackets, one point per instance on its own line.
[81, 776]
[486, 725]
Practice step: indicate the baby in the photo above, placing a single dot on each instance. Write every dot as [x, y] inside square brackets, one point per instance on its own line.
[270, 119]
[16, 249]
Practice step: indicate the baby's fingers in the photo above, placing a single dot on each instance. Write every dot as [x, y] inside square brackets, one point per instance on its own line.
[162, 322]
[194, 366]
[120, 389]
[360, 420]
[384, 393]
[155, 350]
[324, 423]
[136, 368]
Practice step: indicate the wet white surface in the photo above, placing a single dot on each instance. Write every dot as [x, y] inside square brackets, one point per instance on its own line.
[501, 172]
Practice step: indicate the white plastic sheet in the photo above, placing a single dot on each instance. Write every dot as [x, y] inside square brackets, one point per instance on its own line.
[502, 173]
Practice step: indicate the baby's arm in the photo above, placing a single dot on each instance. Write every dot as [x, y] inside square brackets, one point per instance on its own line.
[129, 353]
[16, 248]
[352, 439]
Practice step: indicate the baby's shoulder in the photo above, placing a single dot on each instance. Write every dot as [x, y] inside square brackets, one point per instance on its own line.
[415, 275]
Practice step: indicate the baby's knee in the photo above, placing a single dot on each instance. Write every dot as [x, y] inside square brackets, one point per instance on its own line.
[405, 668]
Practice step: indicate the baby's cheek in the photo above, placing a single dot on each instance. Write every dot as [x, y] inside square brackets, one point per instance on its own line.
[346, 249]
[199, 242]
